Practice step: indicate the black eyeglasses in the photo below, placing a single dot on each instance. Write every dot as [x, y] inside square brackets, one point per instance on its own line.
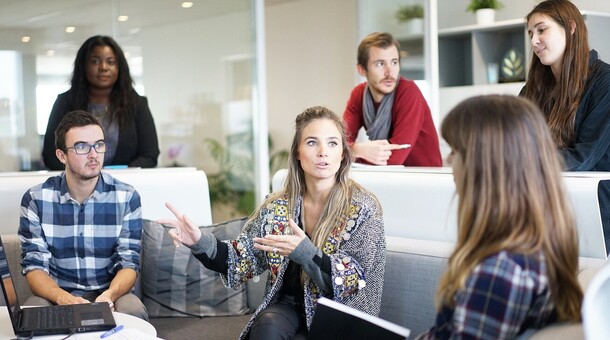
[84, 148]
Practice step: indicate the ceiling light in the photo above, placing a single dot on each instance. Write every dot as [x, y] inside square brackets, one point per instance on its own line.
[187, 4]
[50, 53]
[123, 18]
[70, 29]
[25, 39]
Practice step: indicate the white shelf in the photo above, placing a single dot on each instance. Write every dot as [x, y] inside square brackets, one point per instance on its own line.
[412, 63]
[465, 51]
[490, 88]
[409, 37]
[498, 25]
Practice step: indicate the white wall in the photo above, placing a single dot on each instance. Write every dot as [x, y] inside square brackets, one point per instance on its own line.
[311, 60]
[188, 80]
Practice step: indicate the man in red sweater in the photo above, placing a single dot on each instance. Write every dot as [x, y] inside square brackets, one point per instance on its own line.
[391, 108]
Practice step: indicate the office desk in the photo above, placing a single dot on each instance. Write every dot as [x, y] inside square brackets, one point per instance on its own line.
[134, 328]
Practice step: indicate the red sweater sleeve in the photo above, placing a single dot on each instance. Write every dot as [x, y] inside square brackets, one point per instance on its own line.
[412, 124]
[353, 116]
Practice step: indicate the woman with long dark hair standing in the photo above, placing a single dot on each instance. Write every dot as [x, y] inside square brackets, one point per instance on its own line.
[102, 85]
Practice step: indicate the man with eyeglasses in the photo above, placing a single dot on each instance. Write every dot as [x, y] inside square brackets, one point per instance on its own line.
[80, 231]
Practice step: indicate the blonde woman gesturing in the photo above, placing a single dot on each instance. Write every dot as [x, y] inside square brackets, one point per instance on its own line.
[322, 235]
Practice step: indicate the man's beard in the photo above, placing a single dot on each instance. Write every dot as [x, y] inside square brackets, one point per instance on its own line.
[83, 175]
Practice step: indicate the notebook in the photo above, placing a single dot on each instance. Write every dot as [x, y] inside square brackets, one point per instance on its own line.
[334, 320]
[66, 319]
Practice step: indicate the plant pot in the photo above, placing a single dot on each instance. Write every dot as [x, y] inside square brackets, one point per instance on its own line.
[485, 16]
[414, 26]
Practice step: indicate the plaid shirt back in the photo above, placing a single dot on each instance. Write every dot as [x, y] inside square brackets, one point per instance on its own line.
[506, 294]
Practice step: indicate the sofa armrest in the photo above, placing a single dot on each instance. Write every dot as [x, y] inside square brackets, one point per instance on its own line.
[12, 248]
[571, 331]
[587, 268]
[413, 270]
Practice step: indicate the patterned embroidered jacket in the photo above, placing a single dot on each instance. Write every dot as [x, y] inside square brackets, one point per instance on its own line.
[356, 248]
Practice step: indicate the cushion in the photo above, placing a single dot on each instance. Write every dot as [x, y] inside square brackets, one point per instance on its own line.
[174, 283]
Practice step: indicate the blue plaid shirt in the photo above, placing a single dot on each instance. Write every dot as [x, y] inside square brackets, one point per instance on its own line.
[506, 294]
[83, 246]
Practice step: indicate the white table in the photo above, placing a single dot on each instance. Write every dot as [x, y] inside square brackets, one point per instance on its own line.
[134, 328]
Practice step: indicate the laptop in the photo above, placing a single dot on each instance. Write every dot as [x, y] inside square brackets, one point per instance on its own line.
[333, 320]
[64, 319]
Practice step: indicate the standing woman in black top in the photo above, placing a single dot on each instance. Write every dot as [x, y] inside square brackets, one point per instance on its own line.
[572, 87]
[102, 85]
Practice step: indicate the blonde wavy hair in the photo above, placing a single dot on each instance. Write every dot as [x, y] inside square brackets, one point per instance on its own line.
[510, 195]
[339, 199]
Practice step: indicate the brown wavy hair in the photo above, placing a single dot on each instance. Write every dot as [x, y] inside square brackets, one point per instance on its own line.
[510, 195]
[376, 39]
[559, 98]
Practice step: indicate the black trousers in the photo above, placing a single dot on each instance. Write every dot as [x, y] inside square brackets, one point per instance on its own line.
[284, 320]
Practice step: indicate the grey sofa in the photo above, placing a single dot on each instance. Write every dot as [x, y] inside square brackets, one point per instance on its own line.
[413, 269]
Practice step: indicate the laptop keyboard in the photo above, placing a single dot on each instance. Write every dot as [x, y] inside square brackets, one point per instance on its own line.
[55, 317]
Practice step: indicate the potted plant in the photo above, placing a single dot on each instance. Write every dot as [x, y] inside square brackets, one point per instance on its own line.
[485, 10]
[232, 187]
[412, 16]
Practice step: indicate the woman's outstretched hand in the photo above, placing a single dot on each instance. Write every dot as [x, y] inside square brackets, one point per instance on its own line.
[281, 244]
[183, 230]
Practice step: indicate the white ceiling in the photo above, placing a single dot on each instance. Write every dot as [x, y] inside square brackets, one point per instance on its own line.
[45, 20]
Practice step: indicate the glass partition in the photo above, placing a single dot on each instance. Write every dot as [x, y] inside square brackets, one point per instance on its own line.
[194, 61]
[405, 20]
[414, 24]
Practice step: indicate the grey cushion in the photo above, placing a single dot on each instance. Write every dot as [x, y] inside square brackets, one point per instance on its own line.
[217, 328]
[409, 288]
[413, 270]
[12, 247]
[175, 283]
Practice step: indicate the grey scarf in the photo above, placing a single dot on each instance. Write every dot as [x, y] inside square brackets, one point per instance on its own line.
[377, 122]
